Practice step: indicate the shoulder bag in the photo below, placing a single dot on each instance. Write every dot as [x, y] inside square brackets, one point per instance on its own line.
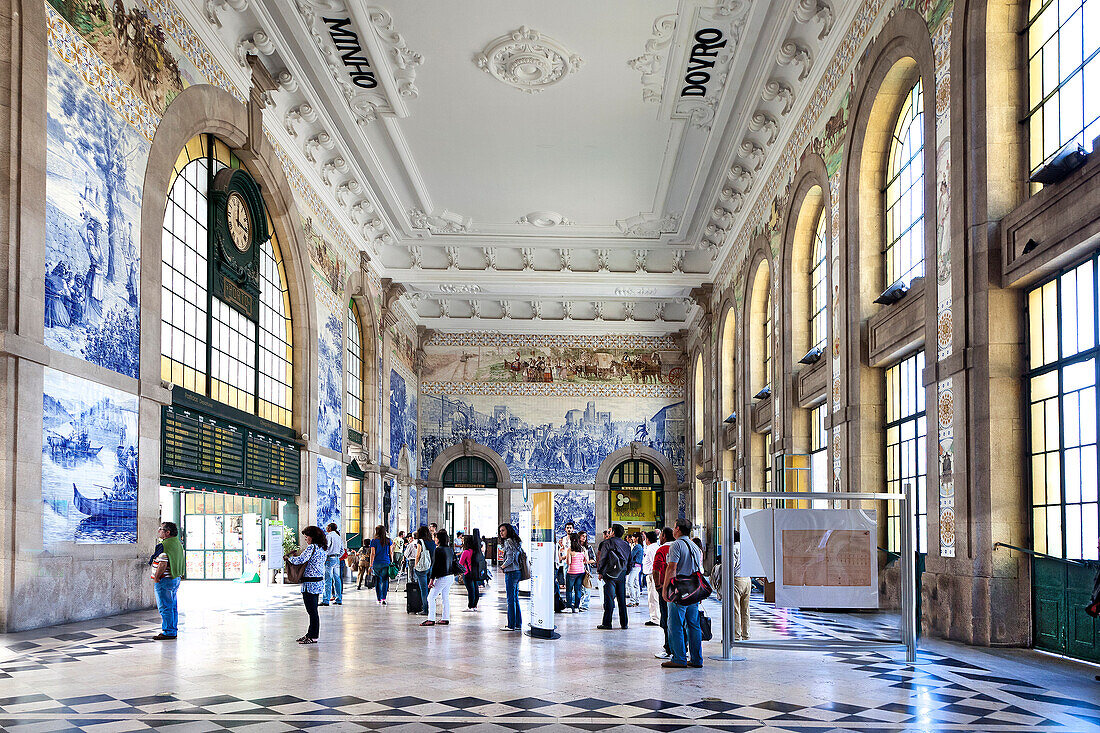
[690, 589]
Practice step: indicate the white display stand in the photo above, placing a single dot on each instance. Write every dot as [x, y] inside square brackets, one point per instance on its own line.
[765, 553]
[825, 558]
[524, 530]
[542, 552]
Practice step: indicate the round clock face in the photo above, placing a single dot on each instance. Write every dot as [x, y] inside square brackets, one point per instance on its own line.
[240, 221]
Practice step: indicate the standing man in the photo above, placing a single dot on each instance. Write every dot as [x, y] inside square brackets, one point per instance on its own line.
[334, 584]
[742, 589]
[168, 565]
[612, 561]
[653, 589]
[684, 560]
[660, 562]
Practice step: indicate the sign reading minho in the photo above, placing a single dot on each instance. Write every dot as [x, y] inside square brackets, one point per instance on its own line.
[351, 52]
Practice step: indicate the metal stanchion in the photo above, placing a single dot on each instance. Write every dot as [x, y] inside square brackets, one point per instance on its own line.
[909, 576]
[728, 504]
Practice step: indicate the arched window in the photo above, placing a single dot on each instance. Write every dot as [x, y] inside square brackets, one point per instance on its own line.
[768, 340]
[906, 428]
[1063, 38]
[469, 471]
[818, 295]
[207, 346]
[355, 369]
[904, 193]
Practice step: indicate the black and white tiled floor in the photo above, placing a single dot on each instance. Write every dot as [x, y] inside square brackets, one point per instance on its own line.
[236, 667]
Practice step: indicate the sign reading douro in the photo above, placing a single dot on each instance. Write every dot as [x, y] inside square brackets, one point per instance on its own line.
[704, 54]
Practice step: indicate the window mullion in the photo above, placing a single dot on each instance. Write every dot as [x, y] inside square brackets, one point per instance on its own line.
[209, 266]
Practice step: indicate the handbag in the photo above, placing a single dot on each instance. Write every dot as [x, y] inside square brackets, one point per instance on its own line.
[293, 574]
[524, 567]
[587, 581]
[393, 571]
[705, 626]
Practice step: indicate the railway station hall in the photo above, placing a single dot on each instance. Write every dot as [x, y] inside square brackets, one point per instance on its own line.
[555, 366]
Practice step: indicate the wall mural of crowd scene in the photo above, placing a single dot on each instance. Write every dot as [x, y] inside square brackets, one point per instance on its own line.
[330, 374]
[551, 439]
[578, 507]
[504, 362]
[89, 462]
[95, 164]
[402, 419]
[329, 480]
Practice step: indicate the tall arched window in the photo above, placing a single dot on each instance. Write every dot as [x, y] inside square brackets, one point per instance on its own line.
[904, 193]
[906, 431]
[355, 369]
[818, 295]
[1063, 38]
[207, 346]
[768, 338]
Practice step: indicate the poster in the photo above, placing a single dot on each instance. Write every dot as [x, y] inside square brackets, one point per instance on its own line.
[825, 558]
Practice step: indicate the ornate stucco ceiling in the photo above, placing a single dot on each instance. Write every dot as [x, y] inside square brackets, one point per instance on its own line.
[533, 166]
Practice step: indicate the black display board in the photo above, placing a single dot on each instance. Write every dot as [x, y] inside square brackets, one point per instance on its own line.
[217, 452]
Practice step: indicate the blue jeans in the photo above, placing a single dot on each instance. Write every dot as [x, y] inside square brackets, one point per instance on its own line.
[422, 581]
[681, 619]
[381, 581]
[573, 589]
[511, 592]
[165, 590]
[334, 584]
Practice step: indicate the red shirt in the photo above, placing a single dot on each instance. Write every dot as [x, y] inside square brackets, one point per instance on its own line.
[660, 562]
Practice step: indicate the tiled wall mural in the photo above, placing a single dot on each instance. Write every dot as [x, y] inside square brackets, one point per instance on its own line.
[330, 368]
[577, 506]
[95, 163]
[402, 419]
[89, 462]
[329, 494]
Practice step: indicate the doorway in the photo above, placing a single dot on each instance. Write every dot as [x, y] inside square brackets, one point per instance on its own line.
[636, 492]
[470, 496]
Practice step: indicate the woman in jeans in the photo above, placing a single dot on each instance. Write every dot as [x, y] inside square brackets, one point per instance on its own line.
[511, 567]
[441, 580]
[313, 555]
[380, 563]
[576, 558]
[468, 562]
[425, 546]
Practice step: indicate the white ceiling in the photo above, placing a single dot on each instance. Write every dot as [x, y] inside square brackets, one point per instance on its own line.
[435, 169]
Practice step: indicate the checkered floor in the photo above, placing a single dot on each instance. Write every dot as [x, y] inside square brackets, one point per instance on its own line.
[801, 692]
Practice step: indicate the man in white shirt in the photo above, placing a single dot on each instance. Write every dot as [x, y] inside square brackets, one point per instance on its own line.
[334, 583]
[652, 583]
[742, 588]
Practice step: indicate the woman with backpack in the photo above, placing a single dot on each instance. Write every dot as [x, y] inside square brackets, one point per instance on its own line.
[380, 562]
[512, 565]
[312, 555]
[468, 561]
[422, 560]
[442, 578]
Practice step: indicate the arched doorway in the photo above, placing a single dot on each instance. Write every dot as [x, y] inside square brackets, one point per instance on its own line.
[636, 492]
[470, 496]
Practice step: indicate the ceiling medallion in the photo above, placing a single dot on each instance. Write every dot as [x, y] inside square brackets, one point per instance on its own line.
[527, 60]
[544, 219]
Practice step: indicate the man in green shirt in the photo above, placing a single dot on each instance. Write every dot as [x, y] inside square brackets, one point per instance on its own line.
[168, 565]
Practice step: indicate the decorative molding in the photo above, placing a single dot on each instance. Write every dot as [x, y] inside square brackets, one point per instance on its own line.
[649, 226]
[651, 64]
[819, 10]
[404, 62]
[553, 389]
[777, 89]
[446, 222]
[793, 53]
[527, 60]
[463, 288]
[211, 8]
[544, 219]
[555, 340]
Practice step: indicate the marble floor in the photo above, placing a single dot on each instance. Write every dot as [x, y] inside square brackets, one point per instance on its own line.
[236, 666]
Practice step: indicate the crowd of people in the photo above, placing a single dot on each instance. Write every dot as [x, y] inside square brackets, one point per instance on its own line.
[667, 566]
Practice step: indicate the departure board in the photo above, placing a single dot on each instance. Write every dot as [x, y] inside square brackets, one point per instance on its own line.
[200, 447]
[217, 452]
[271, 465]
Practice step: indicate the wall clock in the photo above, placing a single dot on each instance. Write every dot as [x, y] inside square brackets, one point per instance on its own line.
[239, 226]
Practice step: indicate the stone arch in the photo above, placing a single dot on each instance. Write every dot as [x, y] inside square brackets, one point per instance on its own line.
[469, 448]
[810, 201]
[208, 109]
[726, 362]
[757, 286]
[899, 56]
[602, 480]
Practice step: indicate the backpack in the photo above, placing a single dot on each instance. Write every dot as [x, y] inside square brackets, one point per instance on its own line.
[425, 561]
[614, 563]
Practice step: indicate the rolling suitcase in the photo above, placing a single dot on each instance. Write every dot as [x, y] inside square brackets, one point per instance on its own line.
[413, 598]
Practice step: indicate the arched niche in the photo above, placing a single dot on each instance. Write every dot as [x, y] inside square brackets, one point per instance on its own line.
[628, 452]
[358, 292]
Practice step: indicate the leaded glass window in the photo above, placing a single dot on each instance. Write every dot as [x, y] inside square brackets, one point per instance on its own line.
[1063, 39]
[904, 193]
[355, 370]
[818, 294]
[906, 450]
[1063, 362]
[207, 346]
